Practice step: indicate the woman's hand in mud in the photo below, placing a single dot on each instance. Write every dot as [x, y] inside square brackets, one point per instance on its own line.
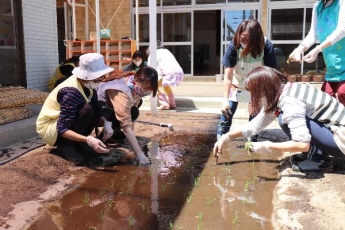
[218, 146]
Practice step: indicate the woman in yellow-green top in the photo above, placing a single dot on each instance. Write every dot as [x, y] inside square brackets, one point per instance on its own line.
[71, 111]
[63, 71]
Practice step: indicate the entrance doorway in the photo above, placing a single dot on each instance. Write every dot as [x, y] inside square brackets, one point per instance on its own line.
[207, 42]
[60, 13]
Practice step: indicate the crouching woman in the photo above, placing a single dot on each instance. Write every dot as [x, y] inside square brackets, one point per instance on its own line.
[71, 112]
[122, 94]
[313, 120]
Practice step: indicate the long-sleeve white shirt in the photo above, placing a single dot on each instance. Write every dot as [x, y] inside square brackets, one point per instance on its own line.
[335, 36]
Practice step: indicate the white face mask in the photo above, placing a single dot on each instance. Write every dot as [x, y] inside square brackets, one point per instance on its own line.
[137, 63]
[243, 45]
[91, 85]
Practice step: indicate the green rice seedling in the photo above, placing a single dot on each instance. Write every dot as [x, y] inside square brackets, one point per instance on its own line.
[100, 215]
[92, 228]
[196, 181]
[112, 183]
[110, 204]
[123, 177]
[209, 200]
[142, 205]
[199, 225]
[70, 213]
[101, 192]
[142, 181]
[200, 216]
[246, 186]
[131, 220]
[235, 219]
[164, 186]
[86, 198]
[189, 197]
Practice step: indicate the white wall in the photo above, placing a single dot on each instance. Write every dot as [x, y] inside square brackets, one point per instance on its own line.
[41, 42]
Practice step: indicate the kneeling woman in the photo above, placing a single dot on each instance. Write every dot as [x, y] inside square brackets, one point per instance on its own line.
[314, 121]
[123, 94]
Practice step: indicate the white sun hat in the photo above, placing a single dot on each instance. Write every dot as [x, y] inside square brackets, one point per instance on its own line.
[91, 67]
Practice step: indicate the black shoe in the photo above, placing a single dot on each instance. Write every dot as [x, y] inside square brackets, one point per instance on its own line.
[299, 157]
[254, 138]
[69, 152]
[313, 166]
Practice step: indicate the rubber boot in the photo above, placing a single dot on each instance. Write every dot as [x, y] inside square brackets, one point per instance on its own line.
[172, 102]
[163, 101]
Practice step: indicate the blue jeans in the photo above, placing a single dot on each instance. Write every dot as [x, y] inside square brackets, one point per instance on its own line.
[321, 136]
[225, 124]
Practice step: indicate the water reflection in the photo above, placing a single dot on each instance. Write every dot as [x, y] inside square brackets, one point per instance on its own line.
[182, 189]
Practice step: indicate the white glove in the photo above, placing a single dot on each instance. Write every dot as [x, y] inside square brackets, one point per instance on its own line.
[260, 147]
[107, 130]
[311, 56]
[143, 160]
[217, 149]
[96, 144]
[296, 54]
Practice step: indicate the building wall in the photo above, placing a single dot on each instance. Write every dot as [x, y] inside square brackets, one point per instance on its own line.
[41, 44]
[120, 25]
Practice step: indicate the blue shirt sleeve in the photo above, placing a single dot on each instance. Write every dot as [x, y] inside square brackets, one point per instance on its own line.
[269, 55]
[230, 56]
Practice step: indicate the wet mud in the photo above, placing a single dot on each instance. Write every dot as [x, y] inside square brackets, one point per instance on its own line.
[183, 188]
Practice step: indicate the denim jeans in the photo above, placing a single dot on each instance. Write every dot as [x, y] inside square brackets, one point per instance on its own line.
[321, 136]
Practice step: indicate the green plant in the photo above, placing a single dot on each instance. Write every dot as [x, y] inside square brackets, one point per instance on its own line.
[70, 213]
[246, 186]
[123, 177]
[196, 181]
[200, 216]
[112, 183]
[235, 219]
[164, 186]
[86, 198]
[110, 203]
[101, 192]
[209, 201]
[142, 204]
[100, 215]
[189, 197]
[131, 220]
[142, 181]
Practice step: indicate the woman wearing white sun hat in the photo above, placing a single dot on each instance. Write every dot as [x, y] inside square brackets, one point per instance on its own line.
[71, 112]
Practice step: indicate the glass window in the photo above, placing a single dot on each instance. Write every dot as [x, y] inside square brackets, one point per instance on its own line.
[176, 2]
[287, 24]
[282, 52]
[308, 20]
[7, 44]
[199, 2]
[232, 19]
[144, 30]
[179, 25]
[145, 3]
[182, 55]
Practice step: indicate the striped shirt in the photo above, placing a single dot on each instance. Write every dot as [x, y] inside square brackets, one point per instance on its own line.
[71, 102]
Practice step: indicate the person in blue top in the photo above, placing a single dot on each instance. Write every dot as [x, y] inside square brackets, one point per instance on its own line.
[248, 50]
[328, 28]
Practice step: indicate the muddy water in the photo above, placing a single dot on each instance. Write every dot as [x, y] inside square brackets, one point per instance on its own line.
[182, 189]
